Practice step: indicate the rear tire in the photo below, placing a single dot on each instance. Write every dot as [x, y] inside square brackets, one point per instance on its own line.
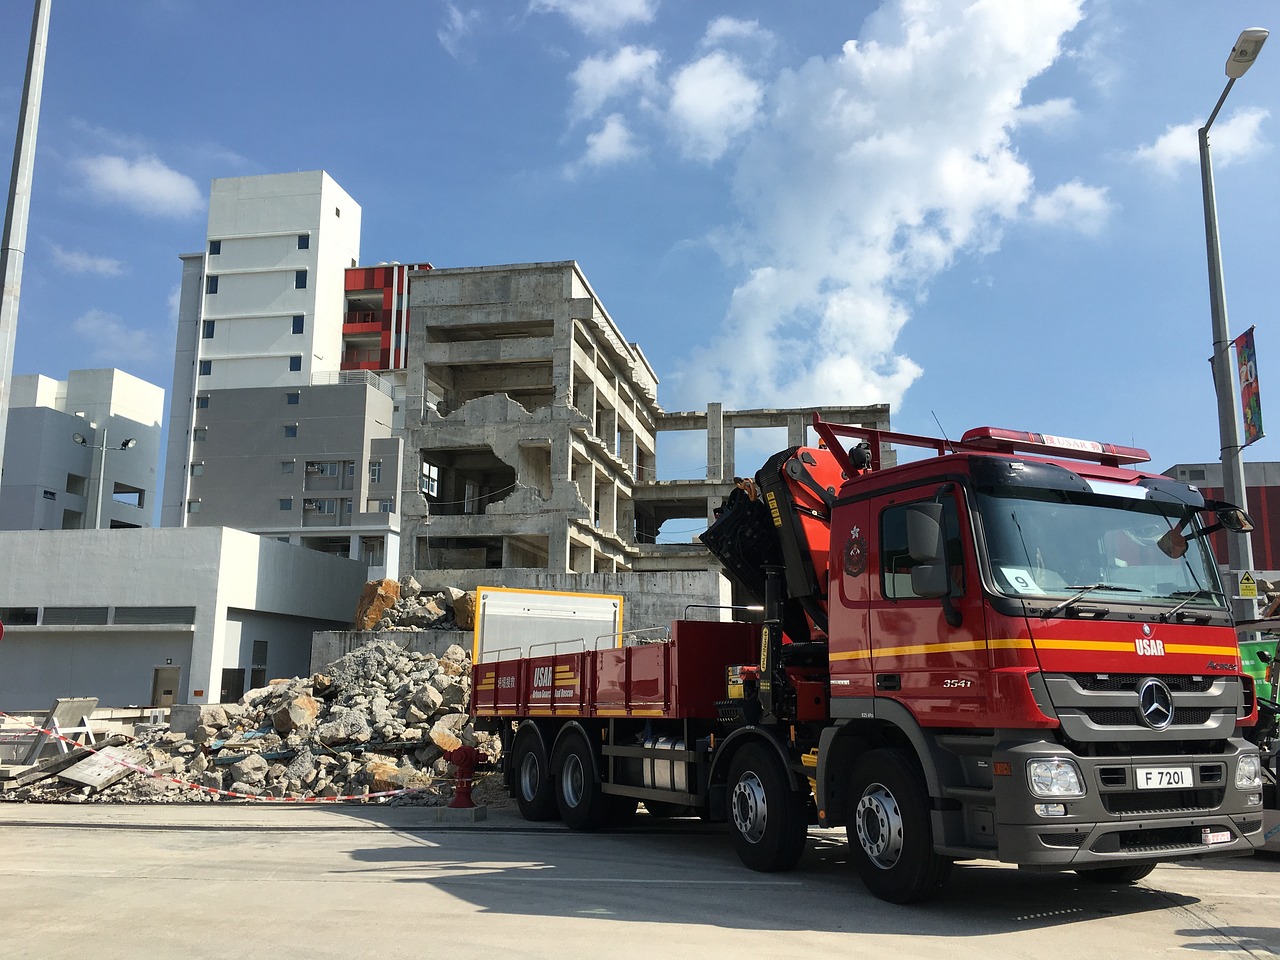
[890, 834]
[581, 802]
[1120, 875]
[767, 819]
[534, 793]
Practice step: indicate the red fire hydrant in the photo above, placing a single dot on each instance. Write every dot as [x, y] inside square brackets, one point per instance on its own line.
[465, 760]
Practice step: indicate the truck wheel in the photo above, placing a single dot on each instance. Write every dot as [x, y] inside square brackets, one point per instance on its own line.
[767, 818]
[535, 795]
[578, 794]
[890, 839]
[1119, 875]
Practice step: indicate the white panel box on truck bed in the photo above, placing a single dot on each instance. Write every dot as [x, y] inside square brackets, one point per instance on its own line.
[521, 623]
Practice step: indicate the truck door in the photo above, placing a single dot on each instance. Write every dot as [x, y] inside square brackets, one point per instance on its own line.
[929, 653]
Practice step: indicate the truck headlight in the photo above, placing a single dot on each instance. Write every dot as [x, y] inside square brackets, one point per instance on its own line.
[1056, 777]
[1248, 771]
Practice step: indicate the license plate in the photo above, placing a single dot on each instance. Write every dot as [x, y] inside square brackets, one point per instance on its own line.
[1208, 836]
[1164, 778]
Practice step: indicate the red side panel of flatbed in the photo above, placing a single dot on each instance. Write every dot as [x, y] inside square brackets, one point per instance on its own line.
[681, 678]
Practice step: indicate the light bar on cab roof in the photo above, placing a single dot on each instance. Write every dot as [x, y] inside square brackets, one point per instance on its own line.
[1013, 441]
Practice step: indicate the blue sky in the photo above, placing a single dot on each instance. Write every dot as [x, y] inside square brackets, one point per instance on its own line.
[985, 212]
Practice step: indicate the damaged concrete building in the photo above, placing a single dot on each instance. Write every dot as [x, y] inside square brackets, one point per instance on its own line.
[532, 431]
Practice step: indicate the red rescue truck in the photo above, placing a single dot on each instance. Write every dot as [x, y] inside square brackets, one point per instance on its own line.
[1016, 649]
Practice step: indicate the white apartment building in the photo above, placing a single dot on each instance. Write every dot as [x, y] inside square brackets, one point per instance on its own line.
[81, 453]
[262, 305]
[257, 381]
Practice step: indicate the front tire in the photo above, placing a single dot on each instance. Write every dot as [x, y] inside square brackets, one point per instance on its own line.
[767, 818]
[534, 792]
[1119, 875]
[890, 835]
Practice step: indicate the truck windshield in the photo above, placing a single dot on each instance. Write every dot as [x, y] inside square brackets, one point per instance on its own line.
[1053, 543]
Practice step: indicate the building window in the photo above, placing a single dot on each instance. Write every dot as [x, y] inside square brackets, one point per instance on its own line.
[210, 284]
[348, 506]
[50, 495]
[293, 399]
[215, 247]
[290, 430]
[197, 469]
[304, 241]
[286, 466]
[321, 506]
[207, 331]
[337, 211]
[206, 367]
[387, 506]
[286, 503]
[322, 468]
[295, 364]
[202, 402]
[193, 506]
[351, 468]
[375, 471]
[430, 480]
[199, 434]
[299, 280]
[297, 323]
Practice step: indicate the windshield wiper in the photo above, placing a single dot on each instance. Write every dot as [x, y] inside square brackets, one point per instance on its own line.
[1084, 589]
[1188, 596]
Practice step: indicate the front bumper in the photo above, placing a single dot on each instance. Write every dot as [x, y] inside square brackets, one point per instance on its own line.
[1115, 822]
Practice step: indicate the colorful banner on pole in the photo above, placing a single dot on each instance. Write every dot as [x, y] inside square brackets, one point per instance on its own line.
[1250, 402]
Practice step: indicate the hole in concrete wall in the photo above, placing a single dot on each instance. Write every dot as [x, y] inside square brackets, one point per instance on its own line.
[467, 480]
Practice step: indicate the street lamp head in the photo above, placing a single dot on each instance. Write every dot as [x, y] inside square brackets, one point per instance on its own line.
[1246, 51]
[80, 438]
[131, 442]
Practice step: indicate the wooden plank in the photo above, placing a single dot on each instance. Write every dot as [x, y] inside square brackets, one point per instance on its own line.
[54, 765]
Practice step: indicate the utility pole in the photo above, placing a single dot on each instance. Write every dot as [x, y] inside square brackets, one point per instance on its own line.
[15, 217]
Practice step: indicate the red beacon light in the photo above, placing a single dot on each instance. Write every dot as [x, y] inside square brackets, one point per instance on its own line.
[1001, 440]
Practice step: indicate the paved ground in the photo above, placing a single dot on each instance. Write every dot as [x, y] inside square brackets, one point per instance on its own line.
[221, 880]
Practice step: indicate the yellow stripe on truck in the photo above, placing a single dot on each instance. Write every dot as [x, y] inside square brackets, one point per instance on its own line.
[1115, 646]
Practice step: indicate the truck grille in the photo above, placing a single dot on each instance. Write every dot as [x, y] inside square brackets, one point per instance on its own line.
[1104, 708]
[1163, 801]
[1128, 716]
[1116, 682]
[1158, 841]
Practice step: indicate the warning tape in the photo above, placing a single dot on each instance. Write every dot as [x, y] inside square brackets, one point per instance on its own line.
[265, 798]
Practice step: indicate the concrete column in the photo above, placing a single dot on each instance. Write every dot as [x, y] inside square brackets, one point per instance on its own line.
[607, 493]
[715, 442]
[730, 456]
[797, 430]
[558, 549]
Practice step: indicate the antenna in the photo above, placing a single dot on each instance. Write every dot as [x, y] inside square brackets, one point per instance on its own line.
[943, 431]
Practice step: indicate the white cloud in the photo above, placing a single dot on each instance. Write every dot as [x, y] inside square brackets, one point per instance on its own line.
[600, 16]
[712, 102]
[613, 143]
[1050, 113]
[1237, 138]
[727, 30]
[145, 184]
[457, 25]
[598, 79]
[109, 340]
[870, 172]
[76, 261]
[1073, 204]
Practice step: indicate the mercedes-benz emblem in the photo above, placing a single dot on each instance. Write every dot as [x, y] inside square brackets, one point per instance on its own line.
[1155, 703]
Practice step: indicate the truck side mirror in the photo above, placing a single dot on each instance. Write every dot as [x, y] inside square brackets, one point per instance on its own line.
[1235, 520]
[928, 550]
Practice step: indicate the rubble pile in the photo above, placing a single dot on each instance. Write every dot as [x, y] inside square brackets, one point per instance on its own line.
[360, 726]
[402, 605]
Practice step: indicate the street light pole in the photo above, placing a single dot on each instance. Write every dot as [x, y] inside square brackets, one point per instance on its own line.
[1239, 547]
[81, 439]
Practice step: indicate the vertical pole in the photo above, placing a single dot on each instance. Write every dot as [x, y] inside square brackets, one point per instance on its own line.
[15, 218]
[1239, 547]
[102, 473]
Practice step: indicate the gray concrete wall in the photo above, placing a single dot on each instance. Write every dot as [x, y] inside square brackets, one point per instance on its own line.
[114, 664]
[328, 645]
